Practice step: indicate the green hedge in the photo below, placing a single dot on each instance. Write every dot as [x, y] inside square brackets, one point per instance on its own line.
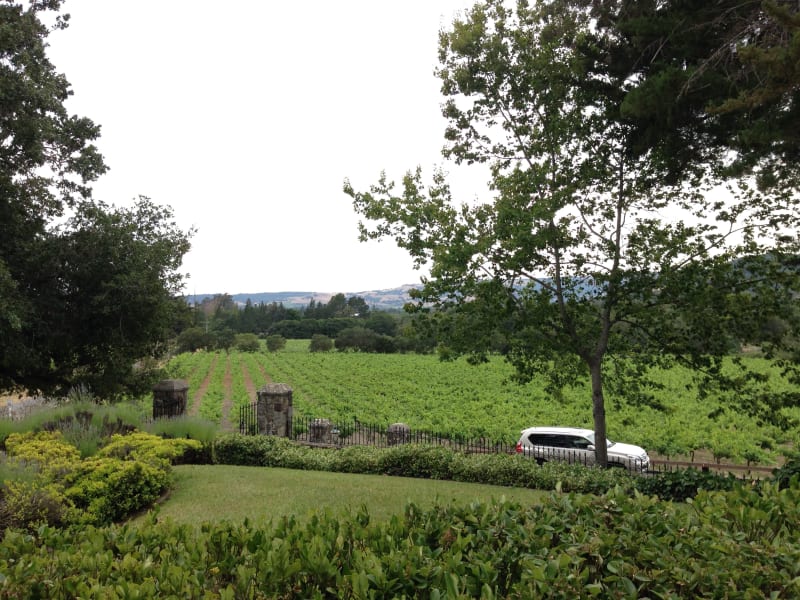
[437, 462]
[739, 544]
[420, 461]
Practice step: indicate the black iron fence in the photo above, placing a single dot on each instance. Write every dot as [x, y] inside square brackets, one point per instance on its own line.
[325, 433]
[248, 419]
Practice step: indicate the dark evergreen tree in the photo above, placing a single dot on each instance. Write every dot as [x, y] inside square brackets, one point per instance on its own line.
[80, 302]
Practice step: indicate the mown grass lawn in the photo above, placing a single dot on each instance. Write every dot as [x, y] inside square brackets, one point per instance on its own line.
[223, 492]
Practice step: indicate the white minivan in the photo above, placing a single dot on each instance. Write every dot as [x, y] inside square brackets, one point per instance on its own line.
[574, 445]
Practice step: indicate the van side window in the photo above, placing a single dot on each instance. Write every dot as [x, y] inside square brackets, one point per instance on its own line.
[581, 443]
[541, 439]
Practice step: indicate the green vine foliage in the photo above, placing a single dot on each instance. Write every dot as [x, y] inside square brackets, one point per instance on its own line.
[456, 398]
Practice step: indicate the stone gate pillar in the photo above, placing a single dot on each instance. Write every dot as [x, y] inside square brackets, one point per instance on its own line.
[398, 433]
[275, 410]
[319, 431]
[169, 398]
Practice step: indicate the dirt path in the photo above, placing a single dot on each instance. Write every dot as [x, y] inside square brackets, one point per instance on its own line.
[264, 374]
[227, 402]
[197, 399]
[248, 384]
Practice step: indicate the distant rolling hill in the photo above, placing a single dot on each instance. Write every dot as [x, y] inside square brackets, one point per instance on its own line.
[393, 298]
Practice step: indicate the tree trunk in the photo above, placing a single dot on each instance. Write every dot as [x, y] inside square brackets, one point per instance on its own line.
[599, 413]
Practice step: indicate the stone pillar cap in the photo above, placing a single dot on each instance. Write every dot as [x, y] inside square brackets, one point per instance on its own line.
[171, 385]
[276, 388]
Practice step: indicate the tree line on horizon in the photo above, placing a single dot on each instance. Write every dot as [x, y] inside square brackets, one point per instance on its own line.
[349, 322]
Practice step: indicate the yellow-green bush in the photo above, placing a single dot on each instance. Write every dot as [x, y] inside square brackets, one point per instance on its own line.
[26, 505]
[144, 446]
[47, 450]
[128, 474]
[109, 489]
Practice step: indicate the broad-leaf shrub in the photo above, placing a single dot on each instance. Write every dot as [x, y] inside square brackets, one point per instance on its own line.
[741, 544]
[681, 484]
[788, 471]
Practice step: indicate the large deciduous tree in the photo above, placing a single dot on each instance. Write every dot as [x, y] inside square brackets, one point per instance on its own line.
[85, 289]
[607, 248]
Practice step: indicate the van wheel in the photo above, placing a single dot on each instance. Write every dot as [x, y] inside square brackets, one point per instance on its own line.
[616, 465]
[540, 461]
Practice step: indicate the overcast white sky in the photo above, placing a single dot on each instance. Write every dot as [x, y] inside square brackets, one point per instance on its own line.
[246, 117]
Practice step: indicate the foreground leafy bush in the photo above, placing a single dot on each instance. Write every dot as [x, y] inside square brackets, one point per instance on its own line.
[739, 544]
[790, 470]
[683, 484]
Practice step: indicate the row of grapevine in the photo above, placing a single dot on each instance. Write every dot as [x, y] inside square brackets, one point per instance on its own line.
[217, 383]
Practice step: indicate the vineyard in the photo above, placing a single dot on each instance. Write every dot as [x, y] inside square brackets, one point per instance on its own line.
[457, 398]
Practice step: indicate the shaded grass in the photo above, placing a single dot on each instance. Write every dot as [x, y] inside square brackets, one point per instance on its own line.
[223, 492]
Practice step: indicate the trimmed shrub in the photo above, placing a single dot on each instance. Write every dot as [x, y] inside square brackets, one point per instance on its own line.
[495, 469]
[252, 450]
[425, 462]
[357, 459]
[27, 505]
[110, 489]
[148, 447]
[275, 343]
[320, 343]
